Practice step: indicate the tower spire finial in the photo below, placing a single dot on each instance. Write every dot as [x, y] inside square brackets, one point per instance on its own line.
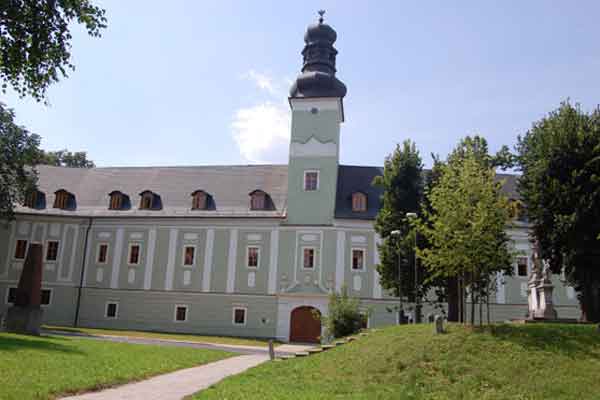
[321, 13]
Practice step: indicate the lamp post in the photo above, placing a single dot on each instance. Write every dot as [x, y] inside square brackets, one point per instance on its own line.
[401, 310]
[412, 216]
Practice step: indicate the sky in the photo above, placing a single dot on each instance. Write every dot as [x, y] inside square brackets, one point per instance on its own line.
[206, 83]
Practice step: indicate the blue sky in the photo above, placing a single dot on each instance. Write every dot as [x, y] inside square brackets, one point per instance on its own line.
[194, 83]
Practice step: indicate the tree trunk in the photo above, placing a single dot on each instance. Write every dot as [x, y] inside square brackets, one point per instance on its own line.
[590, 299]
[452, 295]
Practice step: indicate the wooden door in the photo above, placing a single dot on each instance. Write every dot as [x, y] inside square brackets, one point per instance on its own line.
[304, 326]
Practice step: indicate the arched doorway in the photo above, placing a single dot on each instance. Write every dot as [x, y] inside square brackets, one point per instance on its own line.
[305, 327]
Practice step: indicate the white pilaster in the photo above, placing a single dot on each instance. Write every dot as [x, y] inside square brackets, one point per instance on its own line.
[376, 276]
[74, 249]
[171, 260]
[231, 261]
[11, 248]
[150, 259]
[208, 256]
[272, 285]
[116, 265]
[339, 260]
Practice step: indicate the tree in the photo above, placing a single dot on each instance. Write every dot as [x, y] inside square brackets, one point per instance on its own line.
[560, 185]
[19, 152]
[464, 223]
[344, 316]
[402, 184]
[35, 41]
[65, 158]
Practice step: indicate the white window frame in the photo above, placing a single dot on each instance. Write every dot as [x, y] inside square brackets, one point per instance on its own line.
[47, 246]
[14, 250]
[364, 251]
[245, 309]
[107, 253]
[304, 179]
[193, 264]
[131, 244]
[49, 299]
[116, 309]
[252, 246]
[517, 267]
[187, 313]
[314, 249]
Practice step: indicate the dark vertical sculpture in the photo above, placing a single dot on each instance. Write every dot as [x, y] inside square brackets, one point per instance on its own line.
[25, 316]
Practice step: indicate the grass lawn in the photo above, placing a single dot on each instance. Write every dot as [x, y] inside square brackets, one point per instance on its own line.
[41, 367]
[410, 362]
[169, 336]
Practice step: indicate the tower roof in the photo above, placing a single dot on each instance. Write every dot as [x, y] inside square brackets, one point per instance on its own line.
[317, 78]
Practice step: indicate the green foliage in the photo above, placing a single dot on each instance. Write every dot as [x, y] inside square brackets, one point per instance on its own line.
[35, 41]
[504, 362]
[18, 153]
[43, 367]
[65, 158]
[344, 315]
[560, 186]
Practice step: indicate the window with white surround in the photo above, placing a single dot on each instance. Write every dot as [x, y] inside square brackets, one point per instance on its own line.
[102, 253]
[522, 266]
[308, 257]
[239, 315]
[181, 313]
[133, 256]
[311, 181]
[112, 310]
[52, 250]
[20, 249]
[358, 259]
[252, 256]
[359, 202]
[189, 255]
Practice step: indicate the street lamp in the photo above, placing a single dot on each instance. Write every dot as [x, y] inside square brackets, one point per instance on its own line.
[412, 216]
[401, 310]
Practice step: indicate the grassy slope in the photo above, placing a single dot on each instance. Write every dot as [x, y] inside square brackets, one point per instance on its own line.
[169, 336]
[35, 368]
[409, 362]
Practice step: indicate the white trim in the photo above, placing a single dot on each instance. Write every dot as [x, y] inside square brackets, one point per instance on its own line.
[187, 311]
[377, 290]
[116, 265]
[171, 258]
[313, 148]
[245, 309]
[364, 259]
[74, 249]
[257, 247]
[231, 260]
[314, 249]
[116, 309]
[98, 245]
[193, 264]
[500, 289]
[339, 260]
[150, 258]
[86, 260]
[11, 239]
[274, 256]
[139, 254]
[208, 254]
[310, 171]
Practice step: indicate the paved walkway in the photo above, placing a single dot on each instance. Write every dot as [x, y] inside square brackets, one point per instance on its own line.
[176, 385]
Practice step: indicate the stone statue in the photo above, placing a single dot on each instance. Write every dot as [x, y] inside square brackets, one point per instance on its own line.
[540, 288]
[25, 316]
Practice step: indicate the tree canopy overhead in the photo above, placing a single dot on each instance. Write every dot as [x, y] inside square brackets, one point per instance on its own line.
[35, 41]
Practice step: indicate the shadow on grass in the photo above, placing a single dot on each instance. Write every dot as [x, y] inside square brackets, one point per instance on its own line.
[570, 340]
[14, 343]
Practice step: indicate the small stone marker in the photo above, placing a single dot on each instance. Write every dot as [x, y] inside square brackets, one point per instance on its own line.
[438, 322]
[271, 350]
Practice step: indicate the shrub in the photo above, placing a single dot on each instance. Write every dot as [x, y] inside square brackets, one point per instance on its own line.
[345, 316]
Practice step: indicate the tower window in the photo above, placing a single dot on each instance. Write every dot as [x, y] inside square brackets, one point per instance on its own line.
[359, 202]
[252, 257]
[311, 181]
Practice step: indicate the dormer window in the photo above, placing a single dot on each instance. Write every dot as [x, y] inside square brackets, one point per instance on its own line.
[64, 200]
[150, 201]
[118, 201]
[36, 200]
[311, 181]
[359, 202]
[260, 200]
[201, 200]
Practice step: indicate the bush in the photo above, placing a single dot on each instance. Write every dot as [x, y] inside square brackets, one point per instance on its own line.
[344, 317]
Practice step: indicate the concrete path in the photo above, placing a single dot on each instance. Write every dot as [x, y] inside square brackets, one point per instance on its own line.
[177, 385]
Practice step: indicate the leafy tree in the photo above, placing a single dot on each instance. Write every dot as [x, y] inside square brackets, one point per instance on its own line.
[35, 41]
[560, 186]
[402, 184]
[65, 158]
[344, 315]
[19, 152]
[465, 222]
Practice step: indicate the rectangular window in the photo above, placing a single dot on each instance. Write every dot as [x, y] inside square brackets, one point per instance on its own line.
[252, 258]
[189, 253]
[51, 250]
[112, 309]
[239, 316]
[11, 297]
[522, 266]
[20, 249]
[311, 180]
[308, 255]
[134, 254]
[102, 253]
[181, 313]
[358, 259]
[46, 297]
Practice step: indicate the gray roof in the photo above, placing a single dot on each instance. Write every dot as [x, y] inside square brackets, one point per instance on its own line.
[229, 187]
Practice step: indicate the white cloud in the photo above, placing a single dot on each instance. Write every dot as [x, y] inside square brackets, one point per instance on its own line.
[263, 81]
[262, 132]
